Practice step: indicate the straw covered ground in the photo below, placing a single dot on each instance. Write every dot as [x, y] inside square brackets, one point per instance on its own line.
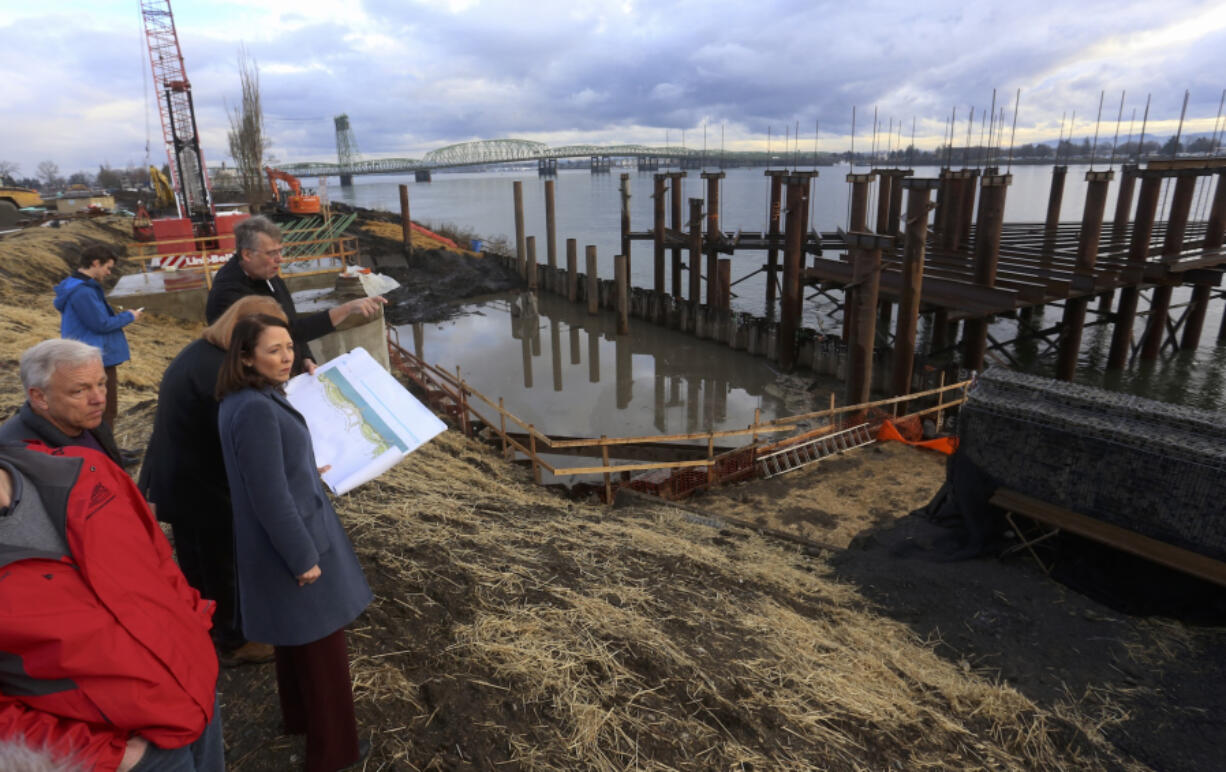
[516, 629]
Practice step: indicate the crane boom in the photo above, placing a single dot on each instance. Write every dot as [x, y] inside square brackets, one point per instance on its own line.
[191, 182]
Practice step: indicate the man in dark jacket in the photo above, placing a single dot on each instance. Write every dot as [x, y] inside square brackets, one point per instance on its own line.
[255, 269]
[105, 656]
[87, 317]
[65, 387]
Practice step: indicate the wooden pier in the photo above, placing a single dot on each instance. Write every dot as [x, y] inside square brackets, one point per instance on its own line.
[936, 246]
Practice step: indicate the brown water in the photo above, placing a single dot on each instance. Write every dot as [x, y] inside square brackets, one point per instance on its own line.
[569, 373]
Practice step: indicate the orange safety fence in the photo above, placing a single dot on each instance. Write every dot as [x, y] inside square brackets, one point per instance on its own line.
[890, 432]
[427, 232]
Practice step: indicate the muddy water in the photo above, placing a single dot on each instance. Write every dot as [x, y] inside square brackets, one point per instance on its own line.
[569, 373]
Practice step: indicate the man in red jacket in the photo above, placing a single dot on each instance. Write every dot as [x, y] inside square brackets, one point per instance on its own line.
[105, 655]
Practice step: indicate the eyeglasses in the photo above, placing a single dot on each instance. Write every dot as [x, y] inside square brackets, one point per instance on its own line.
[270, 252]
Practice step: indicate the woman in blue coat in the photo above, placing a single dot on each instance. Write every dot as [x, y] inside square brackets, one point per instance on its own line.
[298, 577]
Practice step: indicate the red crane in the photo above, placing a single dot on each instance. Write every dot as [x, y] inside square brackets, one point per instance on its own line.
[193, 195]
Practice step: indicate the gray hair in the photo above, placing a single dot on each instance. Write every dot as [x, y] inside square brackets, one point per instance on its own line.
[39, 361]
[15, 756]
[245, 232]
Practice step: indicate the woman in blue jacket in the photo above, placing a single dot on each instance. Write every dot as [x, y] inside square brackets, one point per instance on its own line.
[299, 580]
[87, 317]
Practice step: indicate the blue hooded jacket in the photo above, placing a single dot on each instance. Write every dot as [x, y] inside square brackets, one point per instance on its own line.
[87, 317]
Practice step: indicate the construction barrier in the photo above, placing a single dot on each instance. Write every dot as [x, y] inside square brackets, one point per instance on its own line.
[451, 396]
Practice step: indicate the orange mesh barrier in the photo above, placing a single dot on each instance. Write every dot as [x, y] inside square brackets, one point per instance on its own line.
[889, 431]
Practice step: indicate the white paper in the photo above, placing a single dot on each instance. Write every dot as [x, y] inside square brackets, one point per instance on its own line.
[362, 421]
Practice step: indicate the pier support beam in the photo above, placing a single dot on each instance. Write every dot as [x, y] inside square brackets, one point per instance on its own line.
[713, 234]
[866, 275]
[992, 193]
[625, 199]
[942, 331]
[772, 254]
[1123, 202]
[793, 263]
[1172, 245]
[521, 251]
[1202, 292]
[551, 236]
[856, 223]
[918, 192]
[1138, 253]
[674, 187]
[593, 283]
[1055, 198]
[1051, 224]
[885, 184]
[572, 270]
[1071, 326]
[695, 296]
[621, 277]
[724, 282]
[657, 200]
[970, 182]
[941, 215]
[406, 223]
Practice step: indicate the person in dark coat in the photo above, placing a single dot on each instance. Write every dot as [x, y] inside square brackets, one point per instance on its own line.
[65, 387]
[299, 581]
[87, 317]
[184, 476]
[255, 270]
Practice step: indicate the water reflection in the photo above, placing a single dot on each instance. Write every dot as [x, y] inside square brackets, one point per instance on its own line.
[652, 381]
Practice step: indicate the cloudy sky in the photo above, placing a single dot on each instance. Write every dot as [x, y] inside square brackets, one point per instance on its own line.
[75, 86]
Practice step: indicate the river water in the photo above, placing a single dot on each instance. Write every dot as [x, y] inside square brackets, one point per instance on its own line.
[588, 210]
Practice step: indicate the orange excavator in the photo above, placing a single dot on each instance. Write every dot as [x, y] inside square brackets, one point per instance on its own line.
[295, 201]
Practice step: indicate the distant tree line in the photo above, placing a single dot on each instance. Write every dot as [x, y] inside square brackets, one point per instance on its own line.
[48, 179]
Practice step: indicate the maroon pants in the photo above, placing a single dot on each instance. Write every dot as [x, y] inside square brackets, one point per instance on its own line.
[112, 396]
[317, 700]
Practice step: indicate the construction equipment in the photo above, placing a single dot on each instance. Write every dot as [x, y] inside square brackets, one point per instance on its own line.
[294, 201]
[190, 181]
[14, 199]
[161, 185]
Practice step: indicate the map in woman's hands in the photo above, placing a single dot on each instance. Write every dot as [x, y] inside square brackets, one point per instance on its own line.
[362, 421]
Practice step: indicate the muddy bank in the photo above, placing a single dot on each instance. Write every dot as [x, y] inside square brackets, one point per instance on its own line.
[435, 286]
[436, 280]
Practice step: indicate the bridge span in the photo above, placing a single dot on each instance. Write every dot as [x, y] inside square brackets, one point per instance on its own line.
[497, 151]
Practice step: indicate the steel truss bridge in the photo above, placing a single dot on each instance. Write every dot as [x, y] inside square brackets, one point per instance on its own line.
[489, 151]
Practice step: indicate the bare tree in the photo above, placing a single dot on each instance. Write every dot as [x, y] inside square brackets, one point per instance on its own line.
[247, 141]
[49, 172]
[8, 172]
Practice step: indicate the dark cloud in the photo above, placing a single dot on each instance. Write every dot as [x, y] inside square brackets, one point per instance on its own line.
[413, 77]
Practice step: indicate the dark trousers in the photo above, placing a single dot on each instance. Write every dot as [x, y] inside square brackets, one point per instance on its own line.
[112, 395]
[317, 700]
[206, 557]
